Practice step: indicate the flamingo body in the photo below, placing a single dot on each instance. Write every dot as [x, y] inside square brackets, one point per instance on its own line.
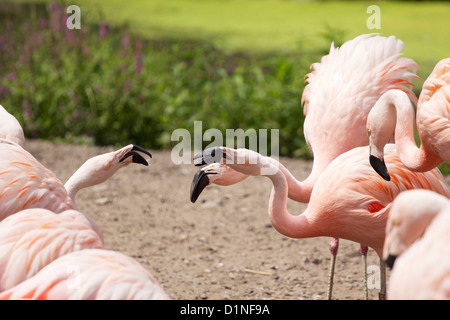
[26, 183]
[417, 233]
[33, 238]
[341, 91]
[10, 128]
[90, 274]
[349, 201]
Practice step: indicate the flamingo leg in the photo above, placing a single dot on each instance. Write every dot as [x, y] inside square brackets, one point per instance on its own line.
[363, 250]
[334, 246]
[382, 293]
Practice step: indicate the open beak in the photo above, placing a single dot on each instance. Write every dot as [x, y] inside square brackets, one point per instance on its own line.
[199, 182]
[136, 156]
[210, 155]
[380, 167]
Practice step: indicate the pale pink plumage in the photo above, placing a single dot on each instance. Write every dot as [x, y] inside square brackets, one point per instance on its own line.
[394, 112]
[26, 183]
[32, 238]
[98, 169]
[10, 128]
[341, 90]
[87, 275]
[349, 200]
[417, 233]
[337, 99]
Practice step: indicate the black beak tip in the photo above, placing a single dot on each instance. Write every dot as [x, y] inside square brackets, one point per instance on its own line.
[199, 182]
[380, 167]
[137, 158]
[140, 149]
[390, 261]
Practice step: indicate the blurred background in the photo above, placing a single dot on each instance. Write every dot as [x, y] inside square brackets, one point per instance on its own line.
[139, 69]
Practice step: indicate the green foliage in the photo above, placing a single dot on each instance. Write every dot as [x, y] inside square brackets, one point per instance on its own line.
[105, 85]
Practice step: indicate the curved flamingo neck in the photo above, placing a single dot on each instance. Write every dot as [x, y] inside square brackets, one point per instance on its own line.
[72, 187]
[415, 158]
[80, 179]
[298, 190]
[287, 224]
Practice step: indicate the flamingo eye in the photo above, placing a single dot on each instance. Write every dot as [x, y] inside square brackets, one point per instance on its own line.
[395, 222]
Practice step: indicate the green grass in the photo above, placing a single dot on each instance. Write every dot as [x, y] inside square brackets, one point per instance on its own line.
[257, 26]
[262, 26]
[271, 25]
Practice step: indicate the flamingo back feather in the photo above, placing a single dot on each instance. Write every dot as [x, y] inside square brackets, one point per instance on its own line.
[90, 274]
[345, 85]
[349, 184]
[33, 238]
[26, 183]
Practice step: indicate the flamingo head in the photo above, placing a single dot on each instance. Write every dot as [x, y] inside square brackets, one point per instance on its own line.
[100, 168]
[380, 129]
[130, 154]
[227, 166]
[410, 214]
[104, 166]
[214, 173]
[245, 161]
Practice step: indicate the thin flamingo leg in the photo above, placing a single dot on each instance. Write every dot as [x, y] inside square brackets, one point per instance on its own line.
[382, 293]
[334, 246]
[363, 250]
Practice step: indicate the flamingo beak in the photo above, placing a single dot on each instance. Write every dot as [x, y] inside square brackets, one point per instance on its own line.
[136, 156]
[210, 155]
[380, 167]
[200, 182]
[390, 261]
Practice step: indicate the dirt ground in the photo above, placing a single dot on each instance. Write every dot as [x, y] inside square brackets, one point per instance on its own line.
[221, 247]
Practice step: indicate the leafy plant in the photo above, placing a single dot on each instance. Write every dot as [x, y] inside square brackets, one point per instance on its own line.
[107, 86]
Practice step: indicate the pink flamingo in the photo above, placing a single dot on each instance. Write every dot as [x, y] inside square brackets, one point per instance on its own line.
[349, 200]
[416, 233]
[87, 275]
[33, 238]
[339, 95]
[10, 128]
[394, 112]
[337, 99]
[26, 183]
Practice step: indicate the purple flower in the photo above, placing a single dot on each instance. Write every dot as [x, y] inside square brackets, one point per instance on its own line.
[125, 41]
[42, 23]
[4, 91]
[54, 6]
[26, 110]
[11, 76]
[138, 56]
[103, 29]
[127, 87]
[57, 20]
[139, 62]
[70, 37]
